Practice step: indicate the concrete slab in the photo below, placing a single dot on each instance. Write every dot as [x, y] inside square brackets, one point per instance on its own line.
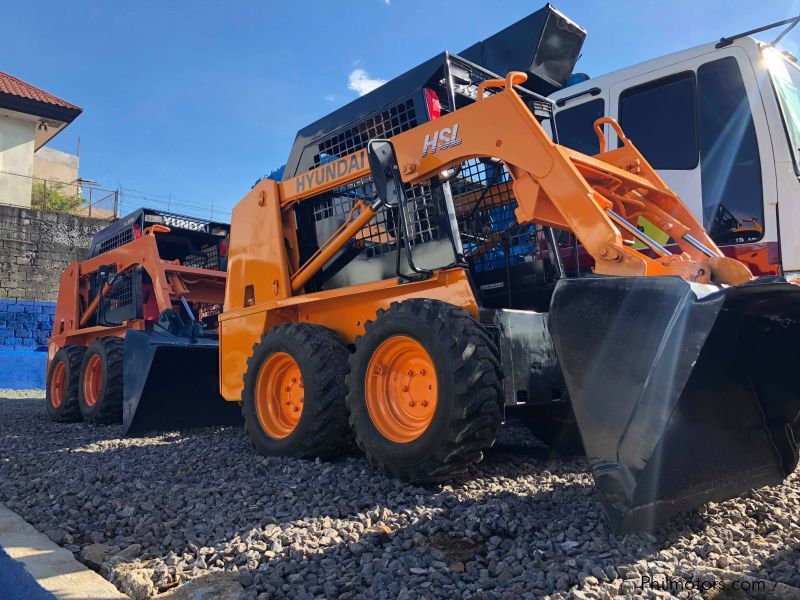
[53, 568]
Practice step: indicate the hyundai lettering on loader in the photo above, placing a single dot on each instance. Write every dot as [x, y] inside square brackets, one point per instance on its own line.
[134, 338]
[404, 281]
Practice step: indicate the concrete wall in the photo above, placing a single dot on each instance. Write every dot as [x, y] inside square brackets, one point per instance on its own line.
[54, 165]
[16, 159]
[35, 248]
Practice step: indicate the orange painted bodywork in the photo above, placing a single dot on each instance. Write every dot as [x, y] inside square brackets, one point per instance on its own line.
[170, 281]
[553, 186]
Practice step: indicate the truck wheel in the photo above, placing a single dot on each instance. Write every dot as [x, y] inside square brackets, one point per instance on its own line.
[100, 389]
[62, 384]
[555, 426]
[294, 392]
[425, 393]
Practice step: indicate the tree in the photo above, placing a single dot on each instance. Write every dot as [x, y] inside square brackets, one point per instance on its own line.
[50, 196]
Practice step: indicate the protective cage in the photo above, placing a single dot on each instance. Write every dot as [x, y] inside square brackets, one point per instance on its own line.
[465, 215]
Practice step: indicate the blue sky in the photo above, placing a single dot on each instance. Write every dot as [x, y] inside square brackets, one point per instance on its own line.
[198, 99]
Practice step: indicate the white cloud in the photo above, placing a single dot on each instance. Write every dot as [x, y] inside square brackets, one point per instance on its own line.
[331, 97]
[361, 82]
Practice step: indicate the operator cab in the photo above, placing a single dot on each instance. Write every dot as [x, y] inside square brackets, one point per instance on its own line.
[190, 241]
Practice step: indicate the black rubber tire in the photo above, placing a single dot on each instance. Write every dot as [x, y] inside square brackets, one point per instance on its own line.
[68, 411]
[322, 358]
[470, 404]
[108, 408]
[555, 426]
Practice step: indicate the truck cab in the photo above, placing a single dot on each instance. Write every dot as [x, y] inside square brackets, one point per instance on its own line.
[721, 124]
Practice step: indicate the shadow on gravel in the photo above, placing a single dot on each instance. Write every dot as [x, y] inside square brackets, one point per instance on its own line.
[781, 567]
[520, 522]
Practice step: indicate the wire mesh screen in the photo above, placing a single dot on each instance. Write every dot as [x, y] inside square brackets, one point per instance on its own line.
[206, 258]
[122, 237]
[484, 205]
[121, 294]
[422, 211]
[392, 121]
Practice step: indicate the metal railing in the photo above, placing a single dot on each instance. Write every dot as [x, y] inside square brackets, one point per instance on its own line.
[87, 198]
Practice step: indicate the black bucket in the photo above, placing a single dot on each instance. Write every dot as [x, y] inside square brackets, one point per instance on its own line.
[172, 382]
[683, 393]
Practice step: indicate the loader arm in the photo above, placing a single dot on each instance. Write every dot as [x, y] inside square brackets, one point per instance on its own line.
[170, 280]
[599, 199]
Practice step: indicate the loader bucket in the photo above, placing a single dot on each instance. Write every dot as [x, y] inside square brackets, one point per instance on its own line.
[683, 393]
[172, 382]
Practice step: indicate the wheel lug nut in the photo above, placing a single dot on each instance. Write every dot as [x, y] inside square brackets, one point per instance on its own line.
[412, 404]
[410, 373]
[424, 403]
[422, 371]
[405, 388]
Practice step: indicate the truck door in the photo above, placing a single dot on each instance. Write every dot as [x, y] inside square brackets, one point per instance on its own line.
[706, 135]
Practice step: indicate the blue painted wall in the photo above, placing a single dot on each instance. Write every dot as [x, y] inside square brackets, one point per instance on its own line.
[25, 326]
[35, 248]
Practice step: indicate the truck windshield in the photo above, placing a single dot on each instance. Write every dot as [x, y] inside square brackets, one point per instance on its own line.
[786, 79]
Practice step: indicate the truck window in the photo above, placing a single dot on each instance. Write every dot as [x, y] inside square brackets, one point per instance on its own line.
[659, 117]
[575, 126]
[733, 211]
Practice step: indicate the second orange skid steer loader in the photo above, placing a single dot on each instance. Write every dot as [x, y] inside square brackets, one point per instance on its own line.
[359, 298]
[135, 332]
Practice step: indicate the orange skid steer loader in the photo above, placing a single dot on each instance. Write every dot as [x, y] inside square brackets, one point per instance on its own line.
[362, 296]
[135, 332]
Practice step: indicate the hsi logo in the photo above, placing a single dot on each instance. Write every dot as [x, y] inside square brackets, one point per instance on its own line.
[442, 140]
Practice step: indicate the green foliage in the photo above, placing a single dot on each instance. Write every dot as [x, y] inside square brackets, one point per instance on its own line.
[51, 196]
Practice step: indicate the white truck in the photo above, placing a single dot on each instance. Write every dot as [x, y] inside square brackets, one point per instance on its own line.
[721, 123]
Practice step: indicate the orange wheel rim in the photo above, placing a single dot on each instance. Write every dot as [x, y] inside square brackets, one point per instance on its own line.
[401, 389]
[279, 395]
[92, 380]
[57, 382]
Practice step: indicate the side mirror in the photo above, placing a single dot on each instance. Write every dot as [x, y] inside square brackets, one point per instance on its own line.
[385, 173]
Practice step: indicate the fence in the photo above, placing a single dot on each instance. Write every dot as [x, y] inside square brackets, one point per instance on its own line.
[88, 199]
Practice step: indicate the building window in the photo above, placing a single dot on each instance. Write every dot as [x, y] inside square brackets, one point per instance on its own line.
[575, 126]
[733, 208]
[660, 118]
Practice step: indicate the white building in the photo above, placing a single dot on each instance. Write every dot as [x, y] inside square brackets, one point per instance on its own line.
[29, 118]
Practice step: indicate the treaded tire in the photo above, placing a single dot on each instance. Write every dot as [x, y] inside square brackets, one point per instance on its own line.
[322, 430]
[469, 408]
[68, 411]
[108, 407]
[555, 426]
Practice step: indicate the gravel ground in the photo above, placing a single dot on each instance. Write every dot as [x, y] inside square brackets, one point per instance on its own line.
[151, 513]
